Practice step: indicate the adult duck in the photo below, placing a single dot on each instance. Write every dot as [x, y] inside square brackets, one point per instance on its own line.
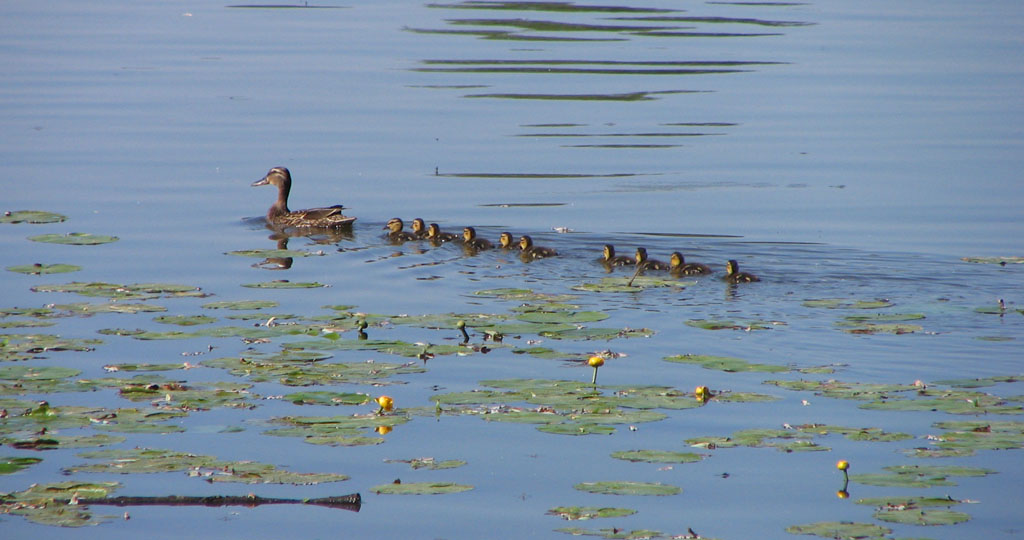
[611, 259]
[395, 232]
[645, 263]
[281, 216]
[678, 266]
[733, 274]
[531, 251]
[470, 239]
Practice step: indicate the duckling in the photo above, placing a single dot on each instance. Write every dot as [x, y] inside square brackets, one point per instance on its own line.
[531, 251]
[419, 228]
[280, 215]
[505, 241]
[610, 259]
[733, 274]
[643, 263]
[395, 232]
[435, 235]
[470, 239]
[679, 267]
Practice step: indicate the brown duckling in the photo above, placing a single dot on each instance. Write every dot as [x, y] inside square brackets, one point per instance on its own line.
[280, 215]
[679, 267]
[419, 228]
[435, 235]
[611, 259]
[505, 241]
[733, 274]
[395, 232]
[470, 239]
[531, 251]
[644, 263]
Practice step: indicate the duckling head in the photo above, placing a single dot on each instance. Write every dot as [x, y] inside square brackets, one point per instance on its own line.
[732, 267]
[418, 226]
[394, 225]
[676, 259]
[641, 255]
[609, 252]
[525, 242]
[505, 239]
[468, 234]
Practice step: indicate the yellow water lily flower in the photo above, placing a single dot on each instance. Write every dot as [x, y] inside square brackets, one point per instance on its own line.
[842, 465]
[595, 362]
[386, 404]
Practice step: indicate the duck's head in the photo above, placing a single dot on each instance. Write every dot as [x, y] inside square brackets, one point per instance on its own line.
[468, 234]
[641, 255]
[278, 176]
[732, 267]
[505, 240]
[609, 252]
[394, 225]
[418, 226]
[433, 231]
[525, 242]
[676, 259]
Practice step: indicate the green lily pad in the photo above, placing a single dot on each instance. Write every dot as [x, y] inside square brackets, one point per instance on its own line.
[723, 363]
[289, 374]
[114, 290]
[563, 317]
[29, 346]
[82, 309]
[980, 382]
[724, 324]
[241, 305]
[621, 284]
[523, 295]
[899, 502]
[26, 373]
[55, 442]
[840, 530]
[628, 488]
[75, 239]
[38, 269]
[335, 430]
[949, 401]
[420, 488]
[429, 463]
[873, 328]
[657, 456]
[846, 390]
[31, 216]
[147, 460]
[885, 317]
[271, 253]
[284, 284]
[918, 476]
[598, 333]
[185, 320]
[327, 398]
[573, 513]
[9, 465]
[844, 303]
[26, 324]
[39, 503]
[918, 516]
[572, 428]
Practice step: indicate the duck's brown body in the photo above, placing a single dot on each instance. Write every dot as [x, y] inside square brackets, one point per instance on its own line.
[471, 241]
[644, 263]
[395, 232]
[435, 235]
[531, 251]
[279, 214]
[679, 267]
[733, 274]
[611, 259]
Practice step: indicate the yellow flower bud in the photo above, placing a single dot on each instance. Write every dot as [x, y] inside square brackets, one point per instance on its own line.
[842, 465]
[386, 403]
[843, 494]
[595, 361]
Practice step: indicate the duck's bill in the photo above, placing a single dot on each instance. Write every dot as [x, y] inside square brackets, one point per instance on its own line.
[261, 182]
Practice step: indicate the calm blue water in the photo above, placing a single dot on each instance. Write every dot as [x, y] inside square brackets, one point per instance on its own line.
[860, 151]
